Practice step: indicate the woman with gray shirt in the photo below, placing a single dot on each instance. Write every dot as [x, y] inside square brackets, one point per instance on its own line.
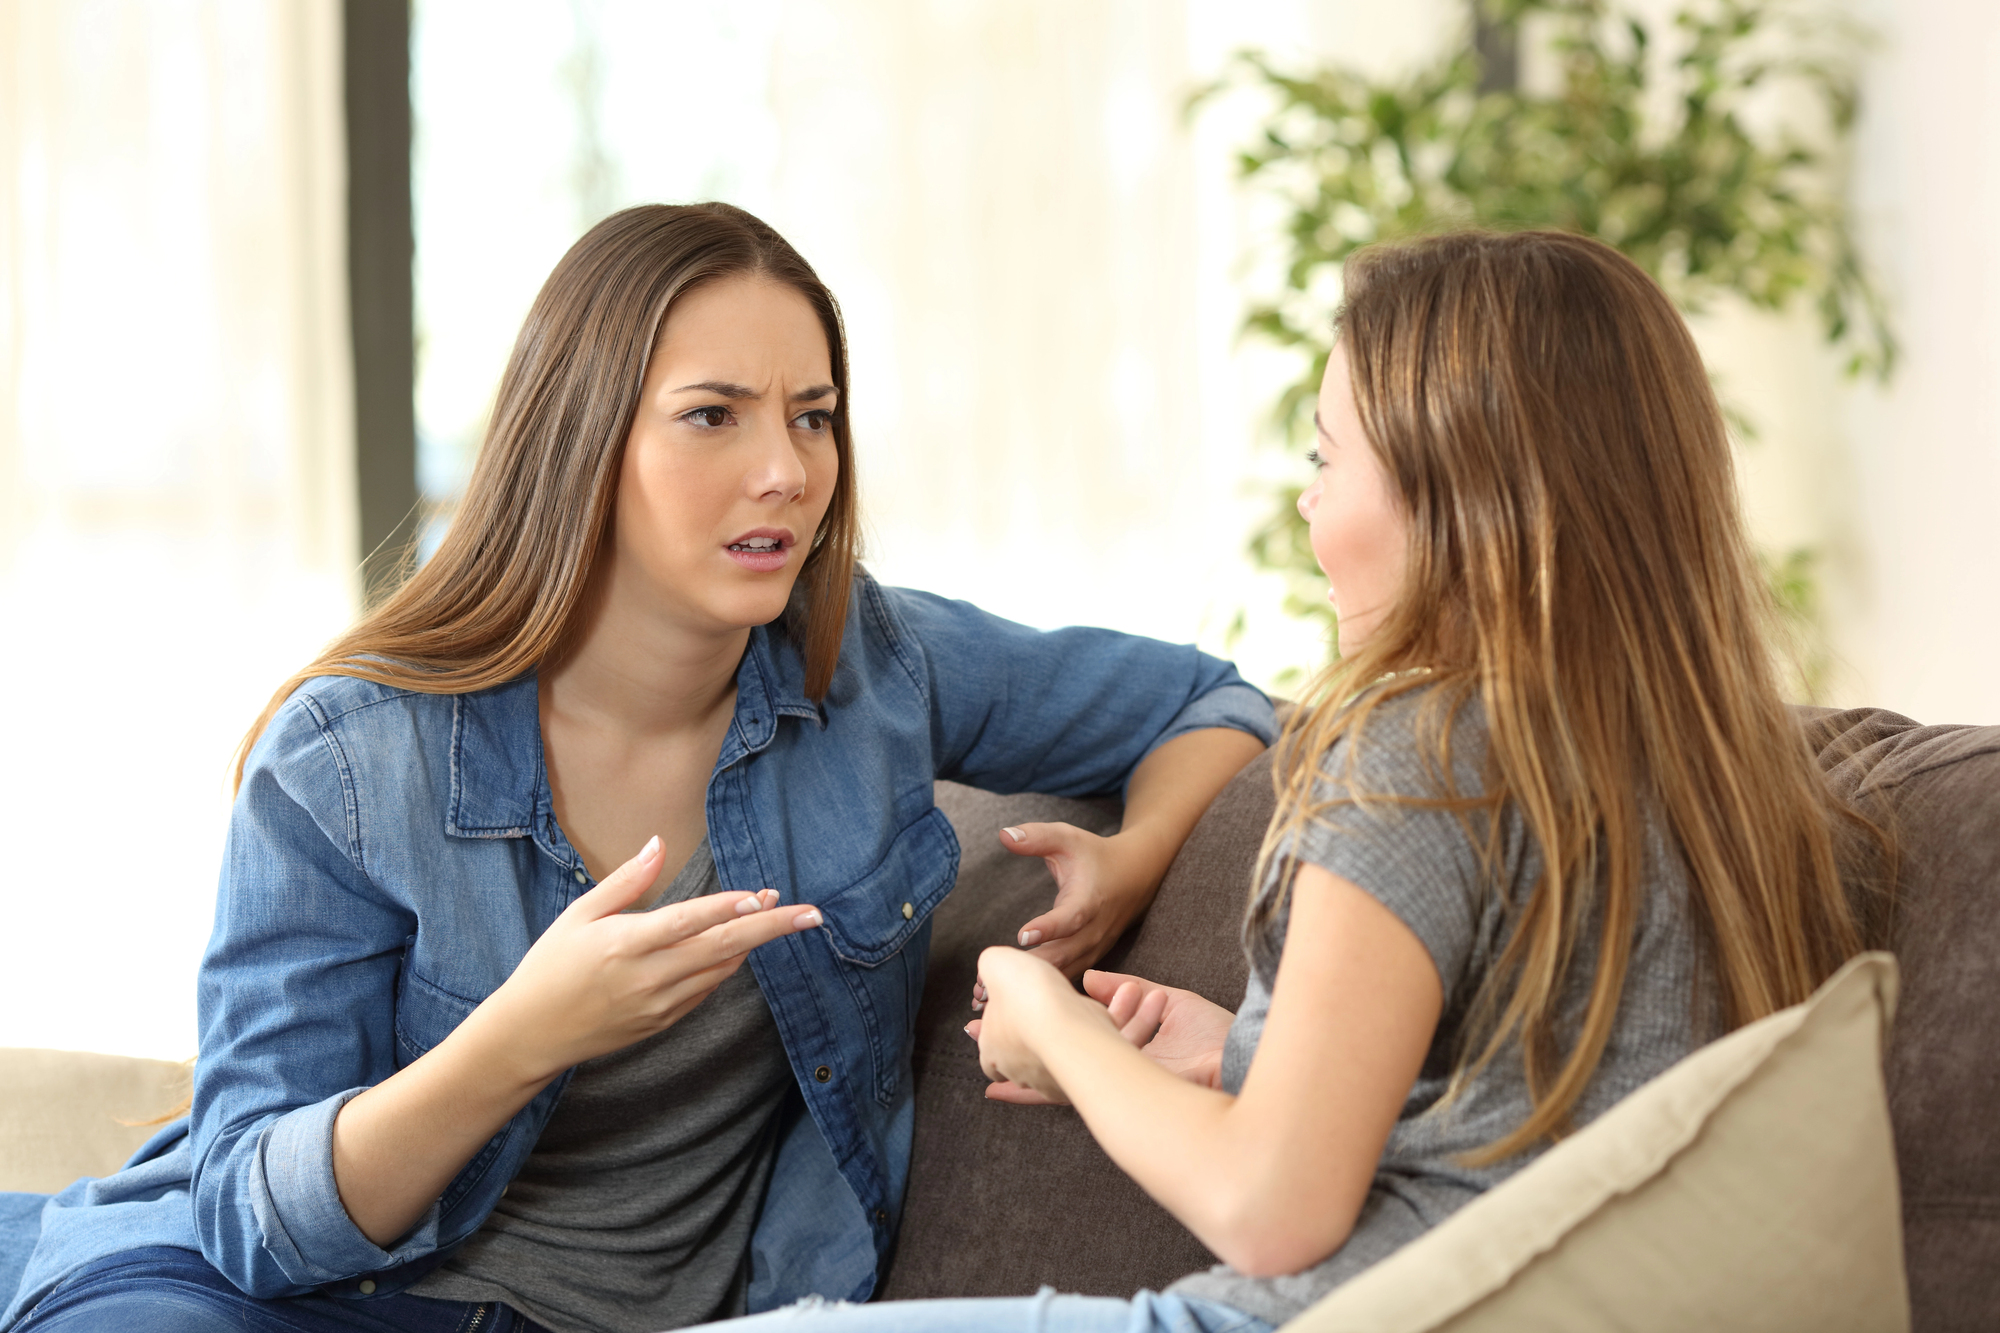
[1545, 827]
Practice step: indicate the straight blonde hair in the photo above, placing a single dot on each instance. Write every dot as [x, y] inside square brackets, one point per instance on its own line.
[1577, 564]
[507, 585]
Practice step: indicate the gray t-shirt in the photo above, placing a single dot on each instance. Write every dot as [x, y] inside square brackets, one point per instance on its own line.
[635, 1209]
[1422, 865]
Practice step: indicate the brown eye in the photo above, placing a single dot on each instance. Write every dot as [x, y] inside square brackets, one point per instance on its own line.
[710, 417]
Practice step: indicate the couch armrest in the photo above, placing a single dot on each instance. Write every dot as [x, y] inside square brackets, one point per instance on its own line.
[61, 1111]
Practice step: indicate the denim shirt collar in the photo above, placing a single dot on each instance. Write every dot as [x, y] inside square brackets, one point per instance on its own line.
[770, 684]
[499, 786]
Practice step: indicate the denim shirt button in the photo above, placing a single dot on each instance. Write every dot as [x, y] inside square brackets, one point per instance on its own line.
[581, 877]
[823, 1074]
[881, 1217]
[908, 911]
[367, 1286]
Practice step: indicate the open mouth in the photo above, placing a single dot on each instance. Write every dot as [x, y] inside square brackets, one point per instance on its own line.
[762, 552]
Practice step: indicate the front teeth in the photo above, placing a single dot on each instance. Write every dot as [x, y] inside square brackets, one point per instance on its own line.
[756, 544]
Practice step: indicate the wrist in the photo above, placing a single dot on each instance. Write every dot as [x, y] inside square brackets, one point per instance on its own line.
[1077, 1041]
[491, 1041]
[1143, 852]
[1072, 1017]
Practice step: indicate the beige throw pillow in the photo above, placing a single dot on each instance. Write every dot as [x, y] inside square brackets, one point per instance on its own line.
[60, 1113]
[1751, 1186]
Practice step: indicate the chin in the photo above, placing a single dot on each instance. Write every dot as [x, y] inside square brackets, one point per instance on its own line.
[753, 607]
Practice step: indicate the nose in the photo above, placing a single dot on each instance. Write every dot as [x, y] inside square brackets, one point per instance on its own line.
[1309, 501]
[778, 473]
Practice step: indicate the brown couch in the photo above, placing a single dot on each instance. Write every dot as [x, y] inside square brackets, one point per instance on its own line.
[1004, 1199]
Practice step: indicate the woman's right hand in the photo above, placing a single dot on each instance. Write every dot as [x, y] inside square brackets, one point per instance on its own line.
[1182, 1032]
[601, 978]
[597, 980]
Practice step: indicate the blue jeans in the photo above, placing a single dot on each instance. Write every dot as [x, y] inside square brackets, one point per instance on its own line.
[162, 1289]
[1047, 1311]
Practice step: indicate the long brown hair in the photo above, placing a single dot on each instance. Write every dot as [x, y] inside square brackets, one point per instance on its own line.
[1578, 565]
[506, 585]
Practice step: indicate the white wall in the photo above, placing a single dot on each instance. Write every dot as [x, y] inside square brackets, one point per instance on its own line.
[1919, 619]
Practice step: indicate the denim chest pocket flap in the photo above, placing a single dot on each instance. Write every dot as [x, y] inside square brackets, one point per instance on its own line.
[871, 919]
[425, 1015]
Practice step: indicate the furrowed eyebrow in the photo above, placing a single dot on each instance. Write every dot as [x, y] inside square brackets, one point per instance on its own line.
[1320, 426]
[744, 393]
[721, 388]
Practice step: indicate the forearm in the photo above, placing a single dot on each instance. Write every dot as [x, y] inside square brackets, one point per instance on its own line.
[1171, 788]
[399, 1144]
[1273, 1179]
[1232, 1173]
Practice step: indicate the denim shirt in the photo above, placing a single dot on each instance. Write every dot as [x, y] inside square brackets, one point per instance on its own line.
[392, 855]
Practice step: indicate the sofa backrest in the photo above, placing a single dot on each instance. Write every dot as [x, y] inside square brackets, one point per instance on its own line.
[1937, 791]
[1004, 1199]
[65, 1114]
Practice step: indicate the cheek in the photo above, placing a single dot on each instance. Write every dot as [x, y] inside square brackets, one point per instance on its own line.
[1332, 535]
[1358, 539]
[661, 508]
[822, 475]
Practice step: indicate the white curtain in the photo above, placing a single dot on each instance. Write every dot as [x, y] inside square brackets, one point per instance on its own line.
[176, 492]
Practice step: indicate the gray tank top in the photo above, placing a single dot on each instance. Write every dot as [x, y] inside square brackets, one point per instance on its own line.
[635, 1209]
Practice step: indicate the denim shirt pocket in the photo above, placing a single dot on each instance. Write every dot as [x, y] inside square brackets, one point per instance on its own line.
[425, 1015]
[879, 927]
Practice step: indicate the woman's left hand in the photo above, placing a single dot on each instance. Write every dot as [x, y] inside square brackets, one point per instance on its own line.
[1102, 884]
[1028, 1001]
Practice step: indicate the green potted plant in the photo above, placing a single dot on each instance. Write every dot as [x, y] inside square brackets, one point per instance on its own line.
[1710, 148]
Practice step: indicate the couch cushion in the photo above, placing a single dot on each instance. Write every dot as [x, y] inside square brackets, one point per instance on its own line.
[1751, 1186]
[984, 1171]
[60, 1117]
[1937, 789]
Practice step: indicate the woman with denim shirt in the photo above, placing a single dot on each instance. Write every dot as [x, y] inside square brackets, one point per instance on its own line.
[435, 980]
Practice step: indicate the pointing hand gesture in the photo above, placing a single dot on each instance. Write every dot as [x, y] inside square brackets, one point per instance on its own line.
[600, 978]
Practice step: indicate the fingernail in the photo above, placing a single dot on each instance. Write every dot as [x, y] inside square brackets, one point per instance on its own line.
[1030, 938]
[1016, 834]
[967, 1029]
[807, 919]
[651, 849]
[754, 903]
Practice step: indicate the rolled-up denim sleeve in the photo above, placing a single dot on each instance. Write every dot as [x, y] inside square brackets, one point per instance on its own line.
[1069, 712]
[297, 993]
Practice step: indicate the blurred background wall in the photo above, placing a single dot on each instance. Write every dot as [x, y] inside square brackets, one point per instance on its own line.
[1043, 261]
[177, 526]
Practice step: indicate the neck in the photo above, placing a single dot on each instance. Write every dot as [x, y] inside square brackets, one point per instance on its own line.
[640, 673]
